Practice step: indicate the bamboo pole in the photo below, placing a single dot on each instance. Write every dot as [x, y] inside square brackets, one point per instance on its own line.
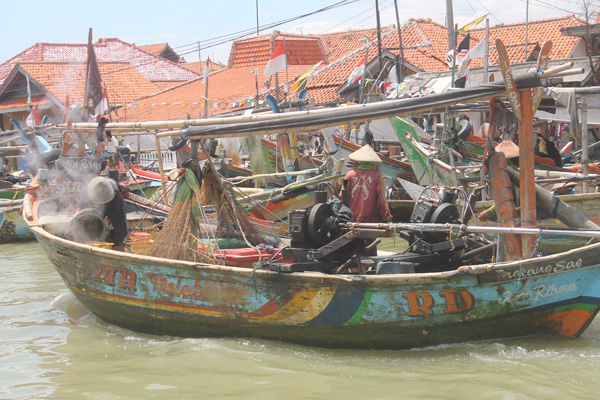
[275, 175]
[395, 108]
[162, 172]
[556, 207]
[457, 228]
[552, 71]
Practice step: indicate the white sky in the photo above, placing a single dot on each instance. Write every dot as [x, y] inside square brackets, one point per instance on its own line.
[184, 23]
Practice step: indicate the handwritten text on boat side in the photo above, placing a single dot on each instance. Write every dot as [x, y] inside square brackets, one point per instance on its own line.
[419, 304]
[529, 272]
[59, 190]
[538, 293]
[513, 95]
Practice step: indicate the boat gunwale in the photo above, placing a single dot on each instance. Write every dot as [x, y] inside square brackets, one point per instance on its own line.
[311, 276]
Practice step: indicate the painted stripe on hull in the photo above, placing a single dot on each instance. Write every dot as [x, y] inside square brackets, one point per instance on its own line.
[342, 307]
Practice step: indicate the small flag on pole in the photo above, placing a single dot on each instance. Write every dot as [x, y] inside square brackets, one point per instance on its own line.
[278, 61]
[206, 70]
[102, 107]
[303, 80]
[29, 102]
[357, 72]
[33, 118]
[468, 26]
[476, 52]
[461, 51]
[93, 83]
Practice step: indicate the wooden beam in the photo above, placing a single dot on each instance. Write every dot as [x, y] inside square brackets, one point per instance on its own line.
[527, 171]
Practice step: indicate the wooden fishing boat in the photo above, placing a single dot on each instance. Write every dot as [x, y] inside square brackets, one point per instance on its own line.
[317, 292]
[553, 295]
[431, 171]
[10, 191]
[12, 225]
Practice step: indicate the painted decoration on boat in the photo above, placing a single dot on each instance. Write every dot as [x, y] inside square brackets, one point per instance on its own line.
[12, 225]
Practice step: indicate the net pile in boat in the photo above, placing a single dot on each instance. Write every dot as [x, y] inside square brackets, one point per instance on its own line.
[188, 226]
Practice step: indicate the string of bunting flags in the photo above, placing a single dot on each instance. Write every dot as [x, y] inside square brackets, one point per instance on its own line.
[232, 104]
[385, 85]
[381, 85]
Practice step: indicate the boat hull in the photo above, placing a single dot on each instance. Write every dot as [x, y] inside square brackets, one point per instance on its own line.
[13, 226]
[557, 295]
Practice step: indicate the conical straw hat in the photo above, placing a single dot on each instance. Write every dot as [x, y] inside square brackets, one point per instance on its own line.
[561, 185]
[100, 190]
[510, 149]
[365, 154]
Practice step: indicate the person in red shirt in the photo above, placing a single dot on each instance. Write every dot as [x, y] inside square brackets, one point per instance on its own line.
[364, 183]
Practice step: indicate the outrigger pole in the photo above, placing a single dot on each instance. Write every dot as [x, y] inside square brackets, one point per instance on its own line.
[459, 228]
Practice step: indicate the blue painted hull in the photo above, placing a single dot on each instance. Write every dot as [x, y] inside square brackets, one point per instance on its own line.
[556, 295]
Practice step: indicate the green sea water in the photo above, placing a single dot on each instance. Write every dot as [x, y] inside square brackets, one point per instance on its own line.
[52, 347]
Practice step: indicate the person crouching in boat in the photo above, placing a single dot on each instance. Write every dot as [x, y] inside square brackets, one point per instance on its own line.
[365, 186]
[559, 189]
[107, 196]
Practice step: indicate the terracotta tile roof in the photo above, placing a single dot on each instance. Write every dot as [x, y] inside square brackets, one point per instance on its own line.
[154, 49]
[226, 88]
[420, 52]
[300, 50]
[198, 67]
[21, 102]
[539, 31]
[164, 85]
[123, 82]
[151, 66]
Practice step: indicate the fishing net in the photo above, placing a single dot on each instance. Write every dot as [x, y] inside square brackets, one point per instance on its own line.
[191, 234]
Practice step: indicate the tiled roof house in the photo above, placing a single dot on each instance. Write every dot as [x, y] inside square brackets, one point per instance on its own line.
[52, 81]
[237, 83]
[154, 68]
[162, 50]
[55, 69]
[424, 45]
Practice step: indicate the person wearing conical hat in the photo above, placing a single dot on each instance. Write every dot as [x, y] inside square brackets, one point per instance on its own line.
[509, 148]
[562, 188]
[365, 186]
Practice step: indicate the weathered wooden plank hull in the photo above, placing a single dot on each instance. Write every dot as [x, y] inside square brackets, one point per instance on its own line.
[557, 295]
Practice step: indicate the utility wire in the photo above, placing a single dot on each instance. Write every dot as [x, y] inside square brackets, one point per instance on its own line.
[212, 42]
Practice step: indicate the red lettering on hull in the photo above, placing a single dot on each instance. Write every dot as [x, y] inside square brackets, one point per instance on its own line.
[120, 277]
[421, 304]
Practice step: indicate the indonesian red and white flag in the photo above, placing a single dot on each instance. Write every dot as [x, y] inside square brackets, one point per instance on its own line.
[102, 107]
[206, 71]
[357, 72]
[33, 118]
[278, 60]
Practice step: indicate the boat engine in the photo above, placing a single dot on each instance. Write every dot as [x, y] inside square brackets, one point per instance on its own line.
[429, 211]
[319, 241]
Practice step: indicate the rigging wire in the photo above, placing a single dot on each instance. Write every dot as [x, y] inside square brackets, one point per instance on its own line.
[211, 42]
